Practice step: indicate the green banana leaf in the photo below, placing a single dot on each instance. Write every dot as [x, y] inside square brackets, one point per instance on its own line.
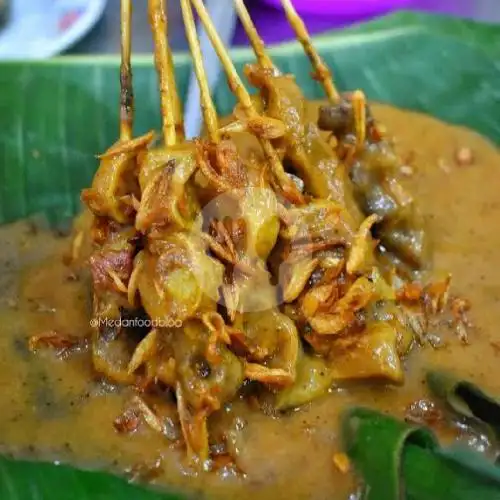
[22, 480]
[398, 461]
[465, 399]
[56, 115]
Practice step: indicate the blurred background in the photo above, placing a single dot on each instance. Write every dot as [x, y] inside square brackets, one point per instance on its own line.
[44, 28]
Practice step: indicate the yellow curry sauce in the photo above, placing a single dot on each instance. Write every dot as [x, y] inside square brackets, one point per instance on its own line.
[56, 408]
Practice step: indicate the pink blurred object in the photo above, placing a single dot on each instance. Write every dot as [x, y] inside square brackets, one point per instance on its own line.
[343, 8]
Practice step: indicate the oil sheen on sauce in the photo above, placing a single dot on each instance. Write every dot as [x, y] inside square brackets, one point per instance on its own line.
[54, 408]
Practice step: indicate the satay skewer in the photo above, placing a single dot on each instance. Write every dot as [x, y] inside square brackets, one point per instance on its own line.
[322, 72]
[158, 21]
[207, 105]
[286, 184]
[126, 90]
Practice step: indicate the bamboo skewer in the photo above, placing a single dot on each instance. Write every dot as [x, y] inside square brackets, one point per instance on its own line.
[253, 35]
[208, 108]
[178, 116]
[158, 20]
[235, 83]
[322, 73]
[358, 100]
[126, 89]
[238, 88]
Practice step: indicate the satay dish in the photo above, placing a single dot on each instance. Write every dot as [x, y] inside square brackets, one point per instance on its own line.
[221, 300]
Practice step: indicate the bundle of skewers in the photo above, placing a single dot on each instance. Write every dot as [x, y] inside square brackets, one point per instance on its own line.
[288, 283]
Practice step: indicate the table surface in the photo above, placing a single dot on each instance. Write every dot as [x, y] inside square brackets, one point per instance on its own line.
[105, 37]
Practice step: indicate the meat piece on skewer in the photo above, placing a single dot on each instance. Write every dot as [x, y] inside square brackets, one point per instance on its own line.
[374, 171]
